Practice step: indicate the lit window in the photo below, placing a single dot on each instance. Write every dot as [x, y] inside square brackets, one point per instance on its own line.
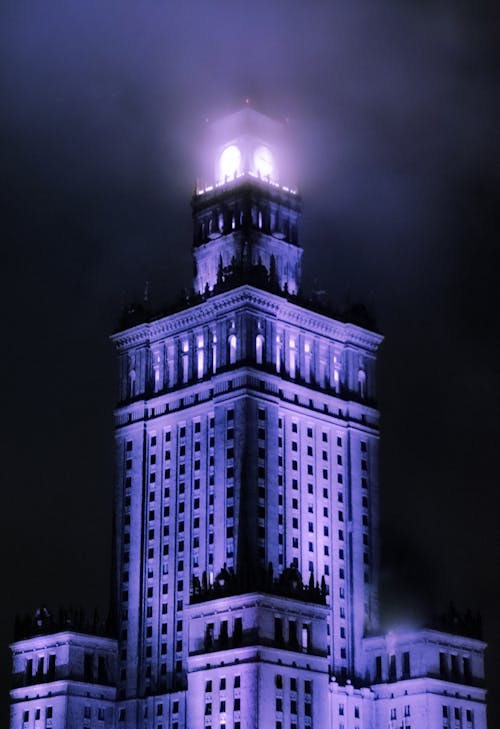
[362, 383]
[232, 348]
[200, 357]
[259, 348]
[293, 358]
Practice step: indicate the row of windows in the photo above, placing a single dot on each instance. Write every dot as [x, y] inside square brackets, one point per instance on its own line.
[222, 684]
[48, 713]
[197, 358]
[222, 706]
[457, 713]
[293, 683]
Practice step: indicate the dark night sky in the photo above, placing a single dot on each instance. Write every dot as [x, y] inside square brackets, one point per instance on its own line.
[394, 115]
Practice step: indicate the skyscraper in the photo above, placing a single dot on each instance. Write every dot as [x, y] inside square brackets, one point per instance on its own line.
[246, 504]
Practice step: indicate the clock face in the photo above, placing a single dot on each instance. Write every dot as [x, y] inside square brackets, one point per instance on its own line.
[230, 162]
[263, 161]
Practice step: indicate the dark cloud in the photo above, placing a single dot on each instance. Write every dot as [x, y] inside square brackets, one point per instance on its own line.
[393, 112]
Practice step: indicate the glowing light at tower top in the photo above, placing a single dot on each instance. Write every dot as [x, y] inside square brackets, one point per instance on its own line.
[247, 144]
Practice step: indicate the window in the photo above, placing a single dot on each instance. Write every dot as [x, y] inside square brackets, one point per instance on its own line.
[406, 665]
[259, 348]
[293, 355]
[392, 667]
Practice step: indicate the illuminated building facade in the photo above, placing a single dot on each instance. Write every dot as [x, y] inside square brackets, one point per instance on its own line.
[246, 513]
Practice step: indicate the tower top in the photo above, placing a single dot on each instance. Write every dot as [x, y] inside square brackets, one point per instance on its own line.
[247, 143]
[246, 222]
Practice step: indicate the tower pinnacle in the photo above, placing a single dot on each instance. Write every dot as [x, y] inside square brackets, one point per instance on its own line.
[246, 223]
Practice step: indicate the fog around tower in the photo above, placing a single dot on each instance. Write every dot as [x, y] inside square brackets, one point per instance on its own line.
[391, 112]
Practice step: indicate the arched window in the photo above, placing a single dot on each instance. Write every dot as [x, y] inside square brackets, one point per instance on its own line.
[132, 383]
[306, 639]
[232, 348]
[200, 357]
[185, 361]
[362, 384]
[278, 353]
[259, 348]
[156, 370]
[336, 375]
[214, 354]
[259, 219]
[292, 358]
[221, 223]
[307, 361]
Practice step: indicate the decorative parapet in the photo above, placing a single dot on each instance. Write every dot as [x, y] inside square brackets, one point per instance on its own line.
[289, 584]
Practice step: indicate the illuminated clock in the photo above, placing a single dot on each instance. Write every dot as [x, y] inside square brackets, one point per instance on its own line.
[230, 162]
[263, 161]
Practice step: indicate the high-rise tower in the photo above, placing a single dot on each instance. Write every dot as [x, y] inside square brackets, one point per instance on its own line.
[246, 505]
[247, 437]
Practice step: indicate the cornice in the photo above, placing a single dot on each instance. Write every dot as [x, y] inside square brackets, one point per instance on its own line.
[267, 303]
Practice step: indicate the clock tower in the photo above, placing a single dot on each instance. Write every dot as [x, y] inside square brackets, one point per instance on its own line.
[245, 222]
